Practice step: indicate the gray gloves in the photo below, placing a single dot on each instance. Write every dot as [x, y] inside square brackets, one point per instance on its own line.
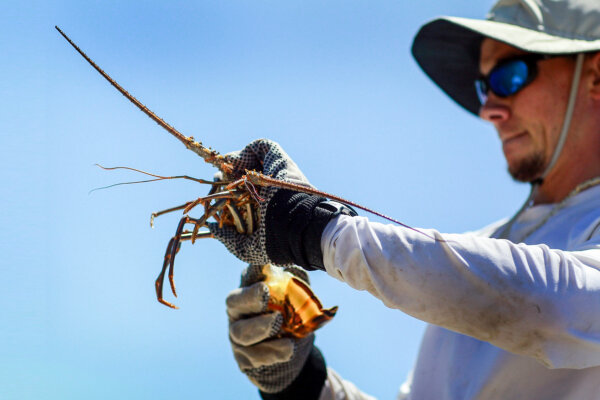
[268, 157]
[270, 361]
[289, 232]
[291, 223]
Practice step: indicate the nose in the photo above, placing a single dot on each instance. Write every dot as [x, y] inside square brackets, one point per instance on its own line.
[494, 112]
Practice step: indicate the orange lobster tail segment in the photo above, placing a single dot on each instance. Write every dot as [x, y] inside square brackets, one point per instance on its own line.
[302, 311]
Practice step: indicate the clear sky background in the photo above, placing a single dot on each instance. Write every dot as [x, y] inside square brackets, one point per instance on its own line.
[332, 81]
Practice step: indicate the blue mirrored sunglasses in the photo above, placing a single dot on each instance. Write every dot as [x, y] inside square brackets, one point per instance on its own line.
[509, 76]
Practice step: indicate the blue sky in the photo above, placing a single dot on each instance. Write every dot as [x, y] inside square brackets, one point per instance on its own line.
[332, 81]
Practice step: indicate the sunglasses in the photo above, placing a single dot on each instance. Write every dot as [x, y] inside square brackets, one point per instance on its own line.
[509, 76]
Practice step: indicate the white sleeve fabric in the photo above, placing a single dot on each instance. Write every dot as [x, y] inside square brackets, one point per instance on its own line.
[530, 300]
[336, 388]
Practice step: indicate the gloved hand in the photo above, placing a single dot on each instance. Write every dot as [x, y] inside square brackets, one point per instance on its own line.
[271, 361]
[268, 157]
[291, 223]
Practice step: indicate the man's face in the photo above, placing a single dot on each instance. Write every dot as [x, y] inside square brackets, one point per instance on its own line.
[529, 122]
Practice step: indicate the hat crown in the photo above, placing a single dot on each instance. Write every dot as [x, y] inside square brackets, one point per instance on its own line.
[572, 19]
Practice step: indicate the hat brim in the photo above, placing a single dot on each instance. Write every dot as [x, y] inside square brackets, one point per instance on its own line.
[448, 48]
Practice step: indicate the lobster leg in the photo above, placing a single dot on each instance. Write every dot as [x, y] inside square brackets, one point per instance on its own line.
[238, 221]
[169, 260]
[172, 249]
[202, 200]
[209, 211]
[175, 244]
[161, 277]
[158, 284]
[168, 210]
[249, 217]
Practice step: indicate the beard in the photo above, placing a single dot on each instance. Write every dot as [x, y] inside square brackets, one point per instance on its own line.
[529, 169]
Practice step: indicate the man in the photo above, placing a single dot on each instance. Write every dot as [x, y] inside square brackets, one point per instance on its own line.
[514, 310]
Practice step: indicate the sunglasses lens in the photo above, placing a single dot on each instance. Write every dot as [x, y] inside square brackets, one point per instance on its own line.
[507, 79]
[481, 89]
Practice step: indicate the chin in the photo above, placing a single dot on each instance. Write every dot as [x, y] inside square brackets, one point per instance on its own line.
[527, 169]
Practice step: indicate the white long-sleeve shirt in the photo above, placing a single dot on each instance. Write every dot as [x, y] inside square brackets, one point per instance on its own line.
[507, 321]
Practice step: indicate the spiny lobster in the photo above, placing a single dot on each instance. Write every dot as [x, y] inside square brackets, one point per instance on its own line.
[231, 201]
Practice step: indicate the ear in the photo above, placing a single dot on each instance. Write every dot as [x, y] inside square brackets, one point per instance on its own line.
[594, 65]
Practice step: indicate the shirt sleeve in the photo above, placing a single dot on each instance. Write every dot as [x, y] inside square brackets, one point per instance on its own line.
[336, 388]
[527, 299]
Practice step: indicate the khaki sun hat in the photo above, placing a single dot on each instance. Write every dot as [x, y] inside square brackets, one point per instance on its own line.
[447, 48]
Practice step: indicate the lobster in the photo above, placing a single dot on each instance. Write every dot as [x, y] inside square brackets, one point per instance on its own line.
[234, 201]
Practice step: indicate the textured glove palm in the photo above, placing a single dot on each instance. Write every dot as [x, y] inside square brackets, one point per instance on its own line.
[271, 362]
[269, 158]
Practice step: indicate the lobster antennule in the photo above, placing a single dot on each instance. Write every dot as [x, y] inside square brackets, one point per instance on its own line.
[210, 156]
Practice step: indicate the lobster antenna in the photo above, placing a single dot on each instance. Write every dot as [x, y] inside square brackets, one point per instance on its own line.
[156, 178]
[191, 178]
[124, 183]
[209, 155]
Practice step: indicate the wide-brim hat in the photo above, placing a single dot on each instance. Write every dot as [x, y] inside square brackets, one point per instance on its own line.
[448, 48]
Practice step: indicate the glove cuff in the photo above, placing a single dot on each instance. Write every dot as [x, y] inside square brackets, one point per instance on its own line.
[308, 385]
[294, 224]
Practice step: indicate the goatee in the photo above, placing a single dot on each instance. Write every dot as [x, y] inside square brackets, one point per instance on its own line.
[529, 169]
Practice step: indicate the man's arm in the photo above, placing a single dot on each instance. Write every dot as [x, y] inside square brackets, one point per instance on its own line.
[527, 299]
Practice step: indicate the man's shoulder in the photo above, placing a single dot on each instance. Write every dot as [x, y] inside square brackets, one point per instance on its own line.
[489, 230]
